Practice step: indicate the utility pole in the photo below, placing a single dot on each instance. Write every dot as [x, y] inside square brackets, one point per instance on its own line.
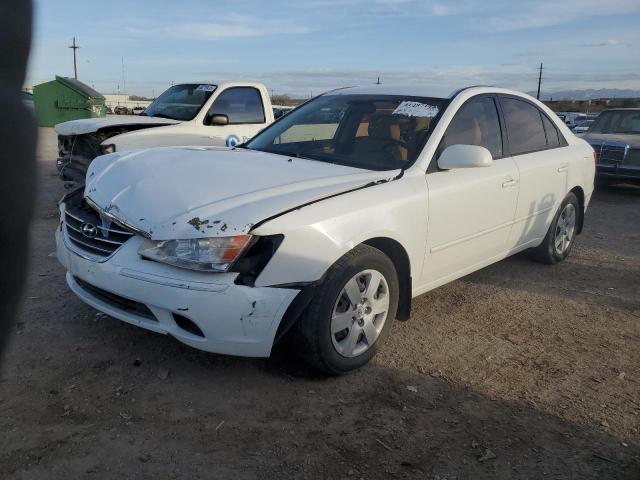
[124, 84]
[74, 47]
[539, 82]
[378, 82]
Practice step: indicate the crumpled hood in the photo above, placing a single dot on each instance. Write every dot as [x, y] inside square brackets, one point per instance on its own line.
[89, 125]
[191, 192]
[632, 140]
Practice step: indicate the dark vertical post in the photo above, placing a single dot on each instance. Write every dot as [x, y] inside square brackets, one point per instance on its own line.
[539, 82]
[74, 47]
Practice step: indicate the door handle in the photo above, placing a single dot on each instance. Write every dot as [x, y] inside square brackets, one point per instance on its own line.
[563, 168]
[509, 182]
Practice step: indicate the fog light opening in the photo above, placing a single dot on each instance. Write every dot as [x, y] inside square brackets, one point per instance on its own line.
[187, 325]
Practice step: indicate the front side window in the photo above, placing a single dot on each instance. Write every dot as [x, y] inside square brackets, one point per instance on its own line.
[240, 104]
[524, 125]
[375, 132]
[476, 123]
[180, 102]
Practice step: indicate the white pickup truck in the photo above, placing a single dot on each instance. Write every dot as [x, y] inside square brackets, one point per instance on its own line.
[224, 114]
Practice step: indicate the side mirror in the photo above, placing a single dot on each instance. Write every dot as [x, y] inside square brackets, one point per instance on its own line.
[464, 156]
[217, 119]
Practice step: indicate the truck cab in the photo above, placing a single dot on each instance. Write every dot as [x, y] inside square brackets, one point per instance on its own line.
[205, 114]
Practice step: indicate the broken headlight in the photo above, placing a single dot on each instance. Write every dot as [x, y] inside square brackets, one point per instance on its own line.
[214, 254]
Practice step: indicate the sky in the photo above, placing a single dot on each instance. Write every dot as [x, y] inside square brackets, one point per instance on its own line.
[302, 48]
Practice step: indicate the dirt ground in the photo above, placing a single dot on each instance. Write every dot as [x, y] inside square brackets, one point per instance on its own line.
[520, 370]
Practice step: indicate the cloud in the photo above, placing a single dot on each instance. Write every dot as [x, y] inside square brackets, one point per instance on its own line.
[441, 80]
[233, 26]
[534, 14]
[612, 42]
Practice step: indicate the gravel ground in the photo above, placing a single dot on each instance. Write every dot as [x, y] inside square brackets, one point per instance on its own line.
[520, 370]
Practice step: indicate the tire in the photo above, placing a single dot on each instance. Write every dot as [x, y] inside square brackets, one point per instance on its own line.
[549, 251]
[344, 350]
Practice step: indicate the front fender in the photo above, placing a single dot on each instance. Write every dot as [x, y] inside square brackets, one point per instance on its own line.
[317, 235]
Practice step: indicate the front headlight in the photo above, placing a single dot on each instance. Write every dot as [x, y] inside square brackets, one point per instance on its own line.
[214, 254]
[108, 149]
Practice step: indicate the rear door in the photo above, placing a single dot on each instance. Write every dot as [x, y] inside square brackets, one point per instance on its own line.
[471, 210]
[539, 152]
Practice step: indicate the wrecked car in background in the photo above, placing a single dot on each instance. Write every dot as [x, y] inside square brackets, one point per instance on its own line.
[615, 137]
[186, 114]
[327, 223]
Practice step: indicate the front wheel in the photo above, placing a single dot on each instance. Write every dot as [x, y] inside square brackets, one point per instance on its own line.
[557, 244]
[351, 313]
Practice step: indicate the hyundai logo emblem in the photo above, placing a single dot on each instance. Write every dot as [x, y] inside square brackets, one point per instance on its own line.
[89, 230]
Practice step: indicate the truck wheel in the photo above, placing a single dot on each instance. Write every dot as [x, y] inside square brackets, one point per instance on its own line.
[351, 312]
[557, 244]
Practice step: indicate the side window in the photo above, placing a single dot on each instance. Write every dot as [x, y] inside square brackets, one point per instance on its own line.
[240, 104]
[476, 123]
[524, 124]
[553, 136]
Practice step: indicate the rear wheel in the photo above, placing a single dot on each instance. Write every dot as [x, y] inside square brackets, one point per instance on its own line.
[351, 313]
[557, 244]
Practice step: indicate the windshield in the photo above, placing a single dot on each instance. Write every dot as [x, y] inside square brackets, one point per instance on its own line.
[617, 121]
[375, 132]
[180, 102]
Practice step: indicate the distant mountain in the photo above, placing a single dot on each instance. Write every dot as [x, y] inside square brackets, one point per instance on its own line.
[589, 94]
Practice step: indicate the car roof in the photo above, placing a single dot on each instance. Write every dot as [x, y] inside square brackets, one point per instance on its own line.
[418, 90]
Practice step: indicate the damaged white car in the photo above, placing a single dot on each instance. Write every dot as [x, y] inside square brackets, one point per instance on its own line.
[327, 223]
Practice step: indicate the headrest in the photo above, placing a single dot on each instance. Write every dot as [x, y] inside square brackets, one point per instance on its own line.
[383, 126]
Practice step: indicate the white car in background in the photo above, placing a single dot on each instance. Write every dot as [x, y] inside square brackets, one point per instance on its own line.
[327, 223]
[583, 126]
[207, 114]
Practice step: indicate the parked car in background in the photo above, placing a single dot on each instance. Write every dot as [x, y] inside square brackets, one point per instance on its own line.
[615, 137]
[280, 111]
[583, 126]
[328, 222]
[117, 110]
[207, 114]
[137, 110]
[572, 119]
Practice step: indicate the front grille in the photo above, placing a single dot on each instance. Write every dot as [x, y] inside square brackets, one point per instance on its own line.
[607, 154]
[93, 234]
[116, 301]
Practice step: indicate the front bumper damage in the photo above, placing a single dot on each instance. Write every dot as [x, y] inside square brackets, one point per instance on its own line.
[204, 310]
[75, 153]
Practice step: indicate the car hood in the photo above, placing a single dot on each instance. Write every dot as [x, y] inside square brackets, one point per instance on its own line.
[632, 140]
[191, 192]
[89, 125]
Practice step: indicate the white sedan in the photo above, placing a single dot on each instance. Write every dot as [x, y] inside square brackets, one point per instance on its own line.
[327, 223]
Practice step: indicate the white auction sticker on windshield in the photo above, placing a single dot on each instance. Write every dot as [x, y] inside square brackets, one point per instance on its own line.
[416, 109]
[206, 88]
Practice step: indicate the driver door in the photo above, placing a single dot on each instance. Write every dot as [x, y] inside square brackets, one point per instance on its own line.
[471, 210]
[245, 110]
